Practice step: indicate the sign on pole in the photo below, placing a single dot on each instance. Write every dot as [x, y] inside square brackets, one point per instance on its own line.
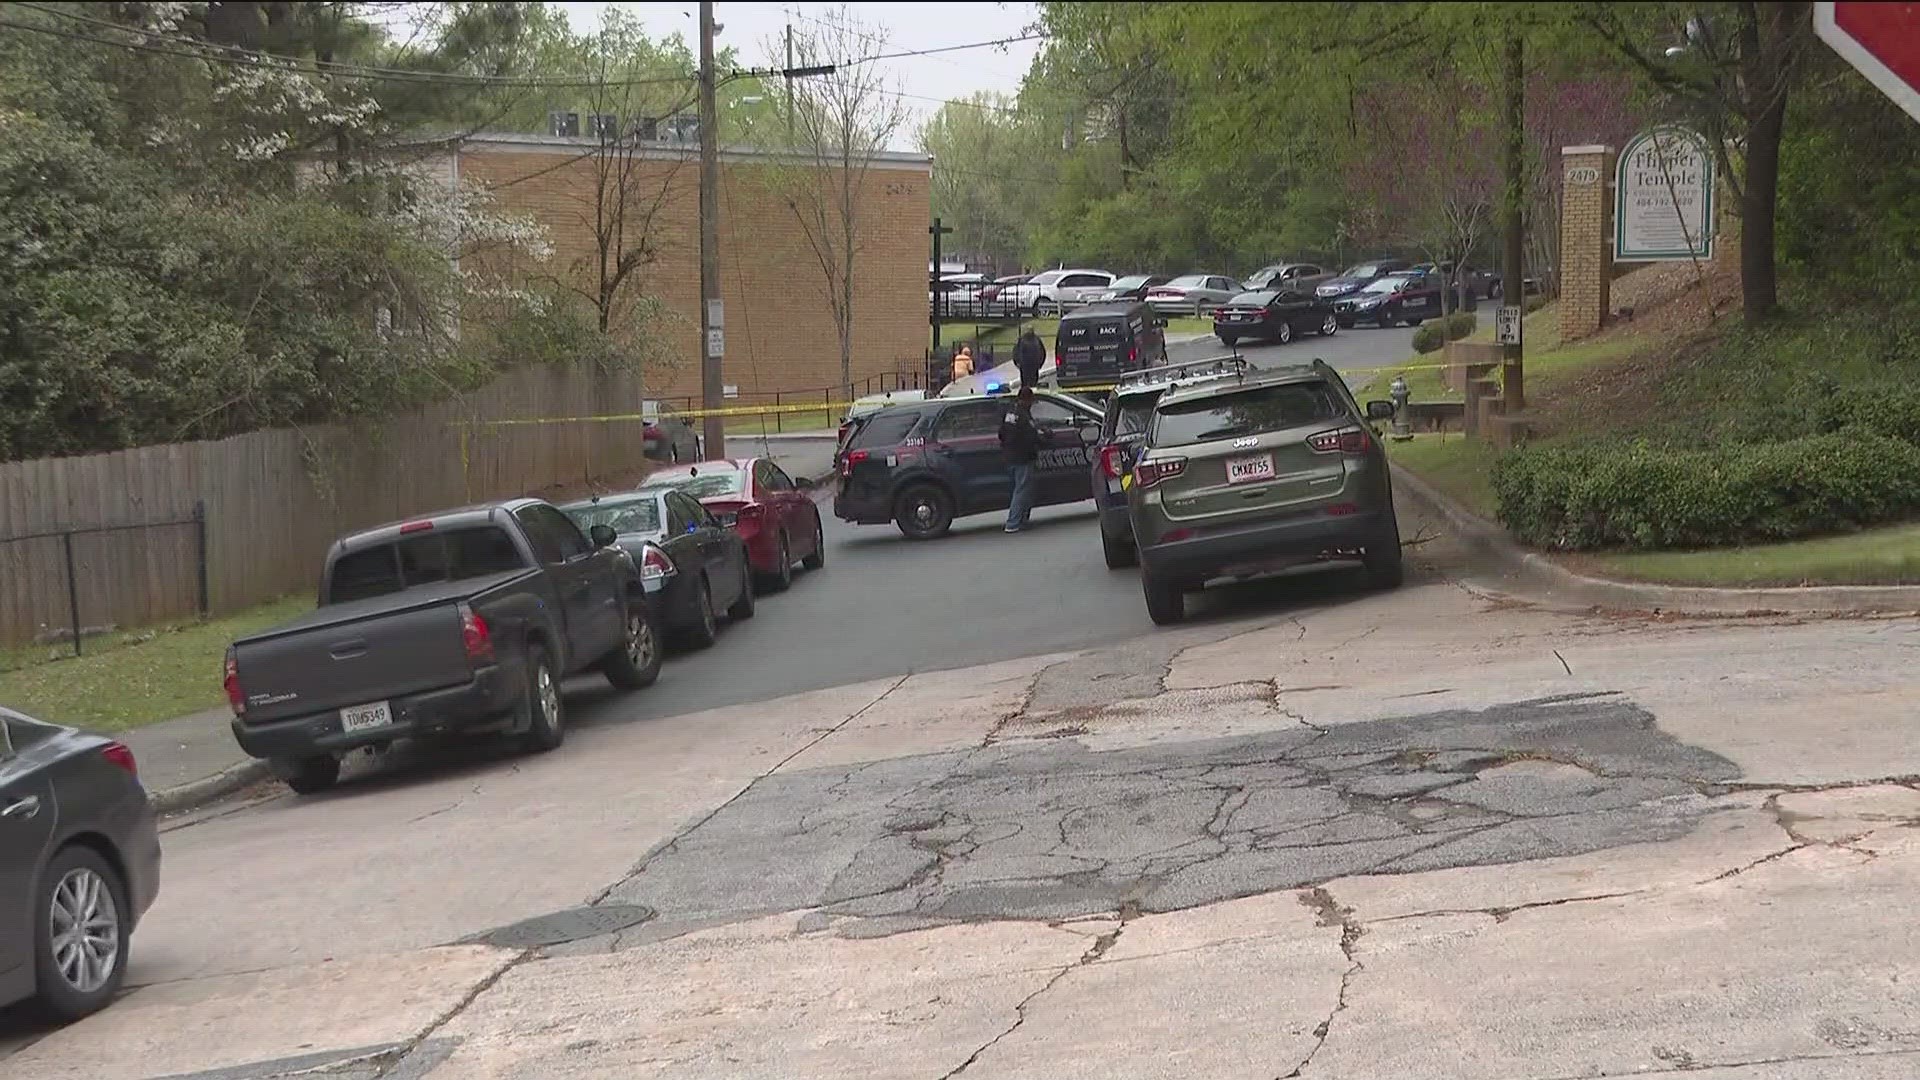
[716, 342]
[1663, 201]
[1882, 40]
[1506, 326]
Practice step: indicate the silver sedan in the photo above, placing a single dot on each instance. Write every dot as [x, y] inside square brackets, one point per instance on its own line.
[1192, 294]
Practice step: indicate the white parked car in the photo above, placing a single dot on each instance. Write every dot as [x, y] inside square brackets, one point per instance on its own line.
[1054, 291]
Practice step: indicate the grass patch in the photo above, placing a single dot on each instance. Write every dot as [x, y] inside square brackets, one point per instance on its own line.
[774, 424]
[131, 678]
[1889, 556]
[1455, 464]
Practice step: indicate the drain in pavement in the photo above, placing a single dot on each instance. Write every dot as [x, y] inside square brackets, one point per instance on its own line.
[561, 927]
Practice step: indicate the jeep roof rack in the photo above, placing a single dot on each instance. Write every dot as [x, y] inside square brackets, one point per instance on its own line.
[1166, 373]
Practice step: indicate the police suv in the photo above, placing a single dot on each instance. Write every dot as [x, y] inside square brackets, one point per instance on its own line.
[1123, 429]
[921, 465]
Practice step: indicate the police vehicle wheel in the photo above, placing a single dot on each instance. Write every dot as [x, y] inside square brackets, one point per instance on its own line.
[1120, 553]
[923, 512]
[1166, 602]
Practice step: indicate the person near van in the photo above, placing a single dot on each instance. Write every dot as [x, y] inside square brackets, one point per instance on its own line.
[1028, 354]
[1021, 441]
[962, 363]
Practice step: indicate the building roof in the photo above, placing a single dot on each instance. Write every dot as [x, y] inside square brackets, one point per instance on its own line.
[522, 142]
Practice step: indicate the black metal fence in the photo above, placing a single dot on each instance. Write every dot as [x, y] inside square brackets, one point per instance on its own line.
[66, 584]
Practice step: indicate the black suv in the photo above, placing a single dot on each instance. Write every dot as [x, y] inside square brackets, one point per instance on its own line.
[1096, 345]
[923, 464]
[1123, 430]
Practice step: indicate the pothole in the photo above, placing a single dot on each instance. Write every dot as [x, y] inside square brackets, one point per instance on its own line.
[561, 927]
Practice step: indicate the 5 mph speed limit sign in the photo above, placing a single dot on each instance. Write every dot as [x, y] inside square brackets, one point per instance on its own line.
[1506, 326]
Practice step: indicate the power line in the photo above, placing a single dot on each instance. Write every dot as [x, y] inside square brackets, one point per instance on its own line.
[941, 49]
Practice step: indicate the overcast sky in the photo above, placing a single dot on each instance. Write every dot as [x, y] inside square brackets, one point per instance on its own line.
[746, 26]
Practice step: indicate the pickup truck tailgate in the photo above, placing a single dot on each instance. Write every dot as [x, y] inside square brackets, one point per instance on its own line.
[357, 653]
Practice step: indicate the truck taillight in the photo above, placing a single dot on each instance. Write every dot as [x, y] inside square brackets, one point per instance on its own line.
[655, 564]
[236, 700]
[1133, 354]
[1343, 440]
[1148, 473]
[854, 457]
[476, 636]
[1113, 461]
[1059, 356]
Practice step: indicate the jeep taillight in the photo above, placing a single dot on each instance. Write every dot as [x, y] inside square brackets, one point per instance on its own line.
[476, 636]
[854, 457]
[1113, 461]
[236, 699]
[1148, 473]
[1341, 441]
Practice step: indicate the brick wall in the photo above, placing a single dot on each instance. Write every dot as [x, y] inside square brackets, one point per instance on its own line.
[1586, 241]
[780, 333]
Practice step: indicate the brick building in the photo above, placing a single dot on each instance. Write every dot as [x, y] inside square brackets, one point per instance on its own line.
[780, 333]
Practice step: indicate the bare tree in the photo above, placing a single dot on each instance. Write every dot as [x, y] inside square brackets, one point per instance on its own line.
[840, 122]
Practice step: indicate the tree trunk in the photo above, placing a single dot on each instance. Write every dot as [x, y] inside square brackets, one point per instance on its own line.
[1759, 291]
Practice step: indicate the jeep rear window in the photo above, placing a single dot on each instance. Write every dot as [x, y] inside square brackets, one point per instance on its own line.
[440, 555]
[883, 429]
[1136, 413]
[1253, 411]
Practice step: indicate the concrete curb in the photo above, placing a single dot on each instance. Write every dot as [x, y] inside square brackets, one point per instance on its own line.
[197, 793]
[1533, 572]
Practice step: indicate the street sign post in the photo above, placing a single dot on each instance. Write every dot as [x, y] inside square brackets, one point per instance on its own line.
[1882, 40]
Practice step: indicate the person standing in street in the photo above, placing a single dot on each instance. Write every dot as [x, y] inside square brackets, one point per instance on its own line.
[962, 363]
[1028, 354]
[1021, 441]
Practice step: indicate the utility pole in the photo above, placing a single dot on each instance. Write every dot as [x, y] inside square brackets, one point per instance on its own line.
[789, 78]
[712, 319]
[1513, 285]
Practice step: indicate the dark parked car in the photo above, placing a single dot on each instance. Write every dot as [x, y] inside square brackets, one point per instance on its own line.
[454, 623]
[1273, 314]
[688, 559]
[79, 865]
[1242, 478]
[1096, 345]
[776, 517]
[1123, 429]
[1355, 277]
[920, 466]
[1131, 287]
[1408, 297]
[1299, 277]
[1472, 281]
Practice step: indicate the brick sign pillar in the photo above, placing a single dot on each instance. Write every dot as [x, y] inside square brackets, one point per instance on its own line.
[1586, 239]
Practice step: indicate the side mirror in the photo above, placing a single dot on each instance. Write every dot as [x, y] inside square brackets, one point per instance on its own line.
[1379, 410]
[602, 535]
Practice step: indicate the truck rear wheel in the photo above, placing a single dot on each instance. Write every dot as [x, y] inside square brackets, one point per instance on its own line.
[308, 776]
[541, 706]
[1166, 601]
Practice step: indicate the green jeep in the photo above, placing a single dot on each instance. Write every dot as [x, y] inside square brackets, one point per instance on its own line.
[1246, 477]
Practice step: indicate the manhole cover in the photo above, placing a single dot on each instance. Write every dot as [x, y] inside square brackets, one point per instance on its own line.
[573, 924]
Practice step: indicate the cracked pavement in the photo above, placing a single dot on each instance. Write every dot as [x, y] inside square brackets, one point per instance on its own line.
[1422, 834]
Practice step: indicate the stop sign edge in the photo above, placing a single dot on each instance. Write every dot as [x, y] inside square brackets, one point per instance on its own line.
[1864, 61]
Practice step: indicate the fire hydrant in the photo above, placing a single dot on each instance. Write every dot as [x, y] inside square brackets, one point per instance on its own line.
[1402, 425]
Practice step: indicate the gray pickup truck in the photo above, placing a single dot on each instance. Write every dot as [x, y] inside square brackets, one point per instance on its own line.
[456, 623]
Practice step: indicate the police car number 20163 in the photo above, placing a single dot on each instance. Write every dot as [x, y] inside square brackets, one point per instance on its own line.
[1071, 457]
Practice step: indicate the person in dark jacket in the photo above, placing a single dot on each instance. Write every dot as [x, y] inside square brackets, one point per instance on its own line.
[1021, 441]
[1028, 354]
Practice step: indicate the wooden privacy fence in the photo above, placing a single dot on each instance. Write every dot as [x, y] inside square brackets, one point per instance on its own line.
[271, 501]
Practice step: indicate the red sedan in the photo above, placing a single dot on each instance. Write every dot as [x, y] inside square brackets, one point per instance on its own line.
[756, 498]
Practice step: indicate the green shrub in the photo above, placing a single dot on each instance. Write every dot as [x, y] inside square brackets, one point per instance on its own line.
[1431, 335]
[1642, 496]
[1536, 302]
